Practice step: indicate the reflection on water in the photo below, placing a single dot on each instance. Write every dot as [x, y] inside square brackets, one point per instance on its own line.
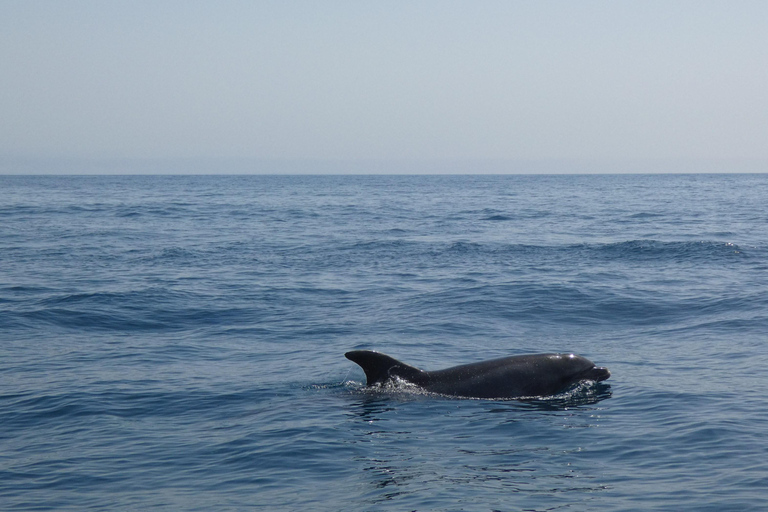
[584, 394]
[414, 449]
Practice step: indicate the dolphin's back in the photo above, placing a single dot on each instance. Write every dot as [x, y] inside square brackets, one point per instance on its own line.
[515, 376]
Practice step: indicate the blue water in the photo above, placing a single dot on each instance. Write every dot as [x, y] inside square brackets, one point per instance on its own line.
[176, 343]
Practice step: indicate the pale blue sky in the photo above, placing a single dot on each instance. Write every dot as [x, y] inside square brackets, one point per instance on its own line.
[613, 81]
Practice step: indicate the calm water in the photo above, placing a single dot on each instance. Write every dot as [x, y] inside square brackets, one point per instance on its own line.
[176, 343]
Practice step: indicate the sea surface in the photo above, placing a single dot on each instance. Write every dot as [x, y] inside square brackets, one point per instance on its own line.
[176, 343]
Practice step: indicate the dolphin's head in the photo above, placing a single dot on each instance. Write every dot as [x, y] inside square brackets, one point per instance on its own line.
[584, 369]
[596, 373]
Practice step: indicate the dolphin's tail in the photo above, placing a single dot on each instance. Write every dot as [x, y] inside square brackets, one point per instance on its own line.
[380, 368]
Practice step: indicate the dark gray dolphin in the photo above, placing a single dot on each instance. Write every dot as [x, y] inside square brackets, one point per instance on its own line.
[532, 375]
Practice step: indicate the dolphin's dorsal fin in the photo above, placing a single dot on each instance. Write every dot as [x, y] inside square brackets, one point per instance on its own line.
[380, 368]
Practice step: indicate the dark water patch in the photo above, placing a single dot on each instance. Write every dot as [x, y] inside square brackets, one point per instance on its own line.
[646, 215]
[498, 218]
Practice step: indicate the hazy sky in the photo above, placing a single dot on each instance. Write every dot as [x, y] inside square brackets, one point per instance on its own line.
[385, 80]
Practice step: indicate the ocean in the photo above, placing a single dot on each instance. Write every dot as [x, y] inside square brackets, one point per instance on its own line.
[176, 343]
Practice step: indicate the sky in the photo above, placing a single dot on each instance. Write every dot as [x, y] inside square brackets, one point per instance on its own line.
[503, 86]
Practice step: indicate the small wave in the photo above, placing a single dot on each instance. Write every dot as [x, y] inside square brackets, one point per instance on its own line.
[680, 251]
[131, 310]
[464, 247]
[93, 320]
[394, 389]
[29, 411]
[583, 393]
[169, 210]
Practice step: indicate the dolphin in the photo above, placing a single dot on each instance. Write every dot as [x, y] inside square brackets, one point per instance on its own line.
[525, 376]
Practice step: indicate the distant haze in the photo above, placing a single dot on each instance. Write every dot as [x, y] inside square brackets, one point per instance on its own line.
[390, 86]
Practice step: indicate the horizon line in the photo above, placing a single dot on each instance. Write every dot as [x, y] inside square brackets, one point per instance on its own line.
[125, 166]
